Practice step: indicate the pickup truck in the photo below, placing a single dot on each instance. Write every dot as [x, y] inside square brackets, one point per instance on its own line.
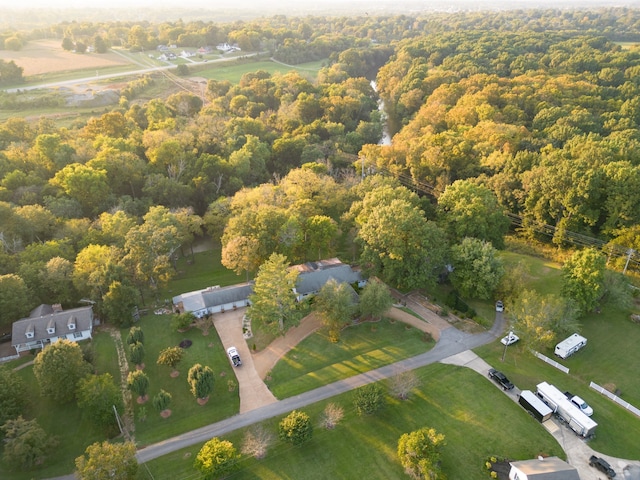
[580, 403]
[602, 465]
[501, 379]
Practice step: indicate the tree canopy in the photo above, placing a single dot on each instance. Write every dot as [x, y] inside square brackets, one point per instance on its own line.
[59, 368]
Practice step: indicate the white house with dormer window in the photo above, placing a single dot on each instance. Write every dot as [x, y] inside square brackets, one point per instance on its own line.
[49, 323]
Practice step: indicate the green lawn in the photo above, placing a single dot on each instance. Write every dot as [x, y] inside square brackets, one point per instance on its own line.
[205, 271]
[605, 359]
[477, 419]
[187, 414]
[233, 71]
[316, 361]
[65, 421]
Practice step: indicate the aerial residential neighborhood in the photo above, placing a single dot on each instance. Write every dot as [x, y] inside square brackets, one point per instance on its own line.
[328, 241]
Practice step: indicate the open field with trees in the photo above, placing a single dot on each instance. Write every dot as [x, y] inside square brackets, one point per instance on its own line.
[529, 130]
[484, 423]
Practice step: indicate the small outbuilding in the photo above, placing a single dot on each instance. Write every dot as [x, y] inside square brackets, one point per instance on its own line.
[549, 468]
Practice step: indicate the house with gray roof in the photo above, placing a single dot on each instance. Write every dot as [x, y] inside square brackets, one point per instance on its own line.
[549, 468]
[213, 299]
[311, 277]
[47, 324]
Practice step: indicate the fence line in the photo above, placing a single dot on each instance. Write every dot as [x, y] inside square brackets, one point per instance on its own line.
[551, 362]
[615, 398]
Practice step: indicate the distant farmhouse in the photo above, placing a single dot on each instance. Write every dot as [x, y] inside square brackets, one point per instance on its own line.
[226, 48]
[49, 323]
[311, 278]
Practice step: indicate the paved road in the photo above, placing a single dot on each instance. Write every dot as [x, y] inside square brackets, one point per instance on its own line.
[451, 342]
[95, 78]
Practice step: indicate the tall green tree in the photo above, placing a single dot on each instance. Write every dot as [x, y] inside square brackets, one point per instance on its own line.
[477, 269]
[216, 458]
[296, 428]
[59, 368]
[162, 400]
[135, 335]
[97, 395]
[541, 319]
[119, 303]
[467, 209]
[26, 444]
[583, 275]
[108, 461]
[375, 299]
[136, 354]
[12, 394]
[171, 356]
[201, 381]
[420, 452]
[14, 300]
[335, 303]
[273, 302]
[138, 383]
[401, 246]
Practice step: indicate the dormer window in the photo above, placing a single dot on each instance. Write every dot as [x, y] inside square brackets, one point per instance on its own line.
[51, 327]
[30, 331]
[71, 323]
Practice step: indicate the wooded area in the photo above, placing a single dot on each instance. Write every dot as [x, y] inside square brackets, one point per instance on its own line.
[513, 115]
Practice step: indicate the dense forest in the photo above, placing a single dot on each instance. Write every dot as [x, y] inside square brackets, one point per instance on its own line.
[523, 116]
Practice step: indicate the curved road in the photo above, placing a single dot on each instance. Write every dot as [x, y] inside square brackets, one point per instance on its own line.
[452, 342]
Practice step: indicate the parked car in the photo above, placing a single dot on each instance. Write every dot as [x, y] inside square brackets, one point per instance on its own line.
[510, 339]
[499, 306]
[602, 465]
[580, 403]
[501, 379]
[234, 356]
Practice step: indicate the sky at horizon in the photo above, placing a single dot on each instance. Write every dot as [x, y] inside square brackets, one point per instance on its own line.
[209, 4]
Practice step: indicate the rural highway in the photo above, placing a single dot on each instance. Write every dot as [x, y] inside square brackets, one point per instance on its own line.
[108, 76]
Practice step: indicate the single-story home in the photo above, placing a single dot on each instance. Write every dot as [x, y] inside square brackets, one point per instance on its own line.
[48, 324]
[549, 468]
[311, 277]
[213, 299]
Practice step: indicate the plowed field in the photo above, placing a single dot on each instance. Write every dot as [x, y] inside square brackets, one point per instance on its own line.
[47, 56]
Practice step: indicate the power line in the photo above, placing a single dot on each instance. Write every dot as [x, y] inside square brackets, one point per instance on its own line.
[578, 239]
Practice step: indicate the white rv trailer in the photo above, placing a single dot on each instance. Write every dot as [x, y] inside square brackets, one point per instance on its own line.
[566, 410]
[570, 345]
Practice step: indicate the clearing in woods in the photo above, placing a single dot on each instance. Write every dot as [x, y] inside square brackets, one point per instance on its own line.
[47, 56]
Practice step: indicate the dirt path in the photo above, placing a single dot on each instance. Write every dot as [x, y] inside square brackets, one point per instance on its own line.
[127, 418]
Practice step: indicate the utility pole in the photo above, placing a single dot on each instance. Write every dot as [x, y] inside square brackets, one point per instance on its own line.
[629, 253]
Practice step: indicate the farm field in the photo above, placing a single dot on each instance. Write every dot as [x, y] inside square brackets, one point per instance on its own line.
[47, 56]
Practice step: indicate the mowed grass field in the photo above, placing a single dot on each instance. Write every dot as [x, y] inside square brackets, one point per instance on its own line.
[477, 419]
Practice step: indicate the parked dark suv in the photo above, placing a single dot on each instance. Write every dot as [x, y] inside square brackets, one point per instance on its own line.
[602, 465]
[500, 379]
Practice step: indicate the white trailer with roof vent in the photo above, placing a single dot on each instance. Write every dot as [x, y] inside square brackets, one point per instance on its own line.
[566, 410]
[570, 345]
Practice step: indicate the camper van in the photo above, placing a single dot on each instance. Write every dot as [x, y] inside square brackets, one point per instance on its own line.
[570, 345]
